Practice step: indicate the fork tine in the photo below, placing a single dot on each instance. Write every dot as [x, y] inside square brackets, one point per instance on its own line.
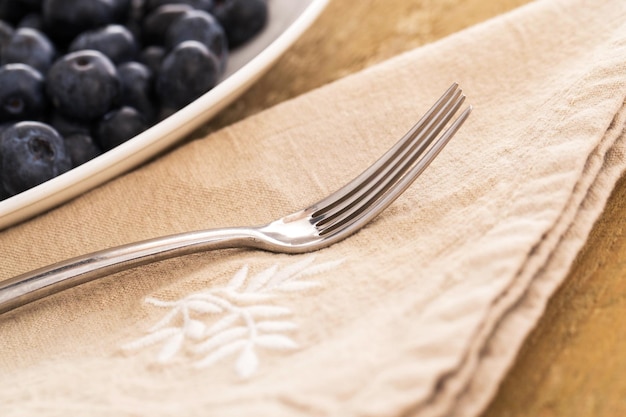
[391, 154]
[394, 167]
[351, 220]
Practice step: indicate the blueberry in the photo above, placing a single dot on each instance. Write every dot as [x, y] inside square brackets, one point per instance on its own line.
[205, 5]
[3, 193]
[134, 27]
[66, 126]
[152, 56]
[33, 5]
[241, 19]
[31, 47]
[83, 84]
[12, 11]
[4, 126]
[137, 10]
[22, 93]
[118, 126]
[187, 72]
[156, 23]
[81, 148]
[137, 88]
[122, 9]
[67, 18]
[114, 41]
[197, 25]
[6, 33]
[31, 153]
[32, 21]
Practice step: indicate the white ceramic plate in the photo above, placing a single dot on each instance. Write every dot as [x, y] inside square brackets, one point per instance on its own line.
[288, 19]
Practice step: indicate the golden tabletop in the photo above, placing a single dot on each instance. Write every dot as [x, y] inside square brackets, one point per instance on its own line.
[573, 362]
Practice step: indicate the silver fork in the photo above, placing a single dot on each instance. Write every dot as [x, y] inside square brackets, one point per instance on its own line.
[326, 222]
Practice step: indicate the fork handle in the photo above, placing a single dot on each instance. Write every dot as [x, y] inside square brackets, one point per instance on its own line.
[40, 283]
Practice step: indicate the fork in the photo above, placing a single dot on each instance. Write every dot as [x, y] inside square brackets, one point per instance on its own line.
[320, 225]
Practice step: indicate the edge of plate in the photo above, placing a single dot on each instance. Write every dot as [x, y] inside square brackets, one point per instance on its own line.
[159, 137]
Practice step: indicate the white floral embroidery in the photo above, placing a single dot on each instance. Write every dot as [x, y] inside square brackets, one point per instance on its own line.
[235, 319]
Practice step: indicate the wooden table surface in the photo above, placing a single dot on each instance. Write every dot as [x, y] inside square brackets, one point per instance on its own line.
[574, 363]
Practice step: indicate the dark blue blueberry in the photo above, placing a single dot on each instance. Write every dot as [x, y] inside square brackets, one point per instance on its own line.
[197, 25]
[118, 126]
[135, 15]
[32, 5]
[3, 193]
[122, 9]
[33, 21]
[205, 5]
[152, 57]
[66, 126]
[114, 41]
[65, 19]
[137, 88]
[31, 153]
[156, 23]
[165, 112]
[241, 19]
[83, 85]
[134, 27]
[22, 93]
[4, 126]
[187, 72]
[137, 10]
[81, 148]
[6, 33]
[12, 11]
[31, 47]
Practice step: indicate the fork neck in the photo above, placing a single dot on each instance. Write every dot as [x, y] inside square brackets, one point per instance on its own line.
[54, 278]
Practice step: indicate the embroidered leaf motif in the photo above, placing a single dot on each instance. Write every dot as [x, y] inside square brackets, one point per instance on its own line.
[159, 303]
[248, 362]
[202, 306]
[235, 319]
[247, 298]
[222, 323]
[259, 280]
[318, 269]
[238, 279]
[276, 341]
[298, 286]
[221, 338]
[166, 320]
[221, 353]
[171, 347]
[195, 329]
[152, 338]
[290, 272]
[268, 311]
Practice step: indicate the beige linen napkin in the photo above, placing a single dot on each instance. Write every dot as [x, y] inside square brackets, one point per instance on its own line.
[419, 314]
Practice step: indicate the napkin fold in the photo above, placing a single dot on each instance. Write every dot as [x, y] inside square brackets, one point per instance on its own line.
[419, 314]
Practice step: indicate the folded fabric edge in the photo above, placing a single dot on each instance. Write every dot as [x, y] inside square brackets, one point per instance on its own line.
[497, 355]
[562, 242]
[517, 312]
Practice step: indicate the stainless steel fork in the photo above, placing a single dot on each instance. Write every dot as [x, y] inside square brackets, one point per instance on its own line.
[326, 222]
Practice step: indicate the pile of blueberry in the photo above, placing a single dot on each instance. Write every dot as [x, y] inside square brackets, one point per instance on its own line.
[79, 77]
